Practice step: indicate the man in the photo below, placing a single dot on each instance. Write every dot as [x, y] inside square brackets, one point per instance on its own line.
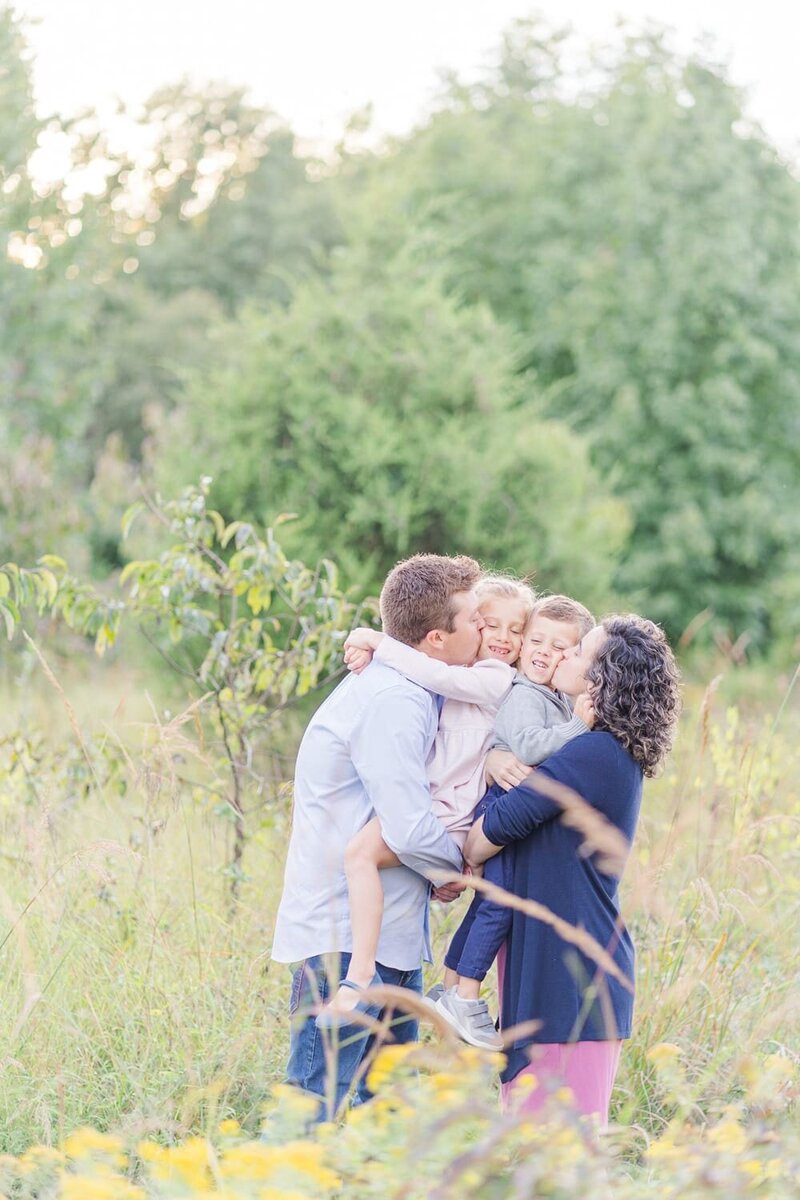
[362, 755]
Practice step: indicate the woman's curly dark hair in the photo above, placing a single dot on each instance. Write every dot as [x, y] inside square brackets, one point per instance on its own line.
[634, 685]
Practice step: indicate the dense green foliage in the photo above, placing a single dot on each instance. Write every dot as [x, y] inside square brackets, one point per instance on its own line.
[391, 418]
[236, 622]
[556, 326]
[646, 246]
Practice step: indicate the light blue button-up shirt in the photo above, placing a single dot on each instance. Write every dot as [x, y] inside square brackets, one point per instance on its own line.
[363, 755]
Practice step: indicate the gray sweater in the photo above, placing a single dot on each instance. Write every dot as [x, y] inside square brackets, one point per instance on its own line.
[534, 721]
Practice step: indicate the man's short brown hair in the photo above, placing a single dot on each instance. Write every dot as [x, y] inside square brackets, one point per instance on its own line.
[564, 608]
[418, 595]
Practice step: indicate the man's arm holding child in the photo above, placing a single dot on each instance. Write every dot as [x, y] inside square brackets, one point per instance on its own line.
[389, 748]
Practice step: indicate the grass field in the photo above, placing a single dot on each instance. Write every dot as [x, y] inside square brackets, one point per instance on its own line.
[139, 1000]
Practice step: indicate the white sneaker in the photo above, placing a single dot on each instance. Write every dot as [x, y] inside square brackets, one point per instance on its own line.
[470, 1019]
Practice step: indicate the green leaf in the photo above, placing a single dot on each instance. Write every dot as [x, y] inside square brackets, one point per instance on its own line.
[11, 617]
[106, 637]
[132, 568]
[254, 599]
[53, 561]
[130, 515]
[50, 585]
[218, 522]
[230, 532]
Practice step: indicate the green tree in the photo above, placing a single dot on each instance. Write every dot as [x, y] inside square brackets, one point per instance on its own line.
[644, 240]
[40, 313]
[391, 417]
[220, 201]
[245, 630]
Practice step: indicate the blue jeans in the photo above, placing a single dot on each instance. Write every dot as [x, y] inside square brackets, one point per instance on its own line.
[327, 1062]
[486, 926]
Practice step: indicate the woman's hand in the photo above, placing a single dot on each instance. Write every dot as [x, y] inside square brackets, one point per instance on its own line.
[359, 646]
[585, 709]
[504, 768]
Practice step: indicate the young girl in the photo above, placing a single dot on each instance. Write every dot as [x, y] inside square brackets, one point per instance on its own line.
[456, 769]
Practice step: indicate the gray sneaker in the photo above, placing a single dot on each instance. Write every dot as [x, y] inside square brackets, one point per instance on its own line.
[470, 1019]
[435, 993]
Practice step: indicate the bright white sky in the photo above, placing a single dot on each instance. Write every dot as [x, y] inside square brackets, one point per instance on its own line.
[316, 61]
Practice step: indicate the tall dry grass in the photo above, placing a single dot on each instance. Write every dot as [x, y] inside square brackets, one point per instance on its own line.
[135, 1001]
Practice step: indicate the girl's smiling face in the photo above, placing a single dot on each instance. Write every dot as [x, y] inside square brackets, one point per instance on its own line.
[504, 620]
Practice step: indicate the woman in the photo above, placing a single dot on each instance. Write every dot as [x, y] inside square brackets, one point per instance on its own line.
[628, 670]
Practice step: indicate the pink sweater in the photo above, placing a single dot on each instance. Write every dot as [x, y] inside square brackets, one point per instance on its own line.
[472, 696]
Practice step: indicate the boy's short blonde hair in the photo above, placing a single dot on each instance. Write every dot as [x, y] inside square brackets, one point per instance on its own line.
[564, 608]
[509, 588]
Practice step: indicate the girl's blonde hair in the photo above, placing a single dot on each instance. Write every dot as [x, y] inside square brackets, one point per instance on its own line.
[509, 588]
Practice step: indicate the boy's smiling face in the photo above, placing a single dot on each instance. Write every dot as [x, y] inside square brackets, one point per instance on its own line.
[503, 626]
[543, 646]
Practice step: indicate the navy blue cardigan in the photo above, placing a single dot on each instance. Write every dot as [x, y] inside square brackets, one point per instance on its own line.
[546, 978]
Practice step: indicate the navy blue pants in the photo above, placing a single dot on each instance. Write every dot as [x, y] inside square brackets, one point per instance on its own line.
[487, 925]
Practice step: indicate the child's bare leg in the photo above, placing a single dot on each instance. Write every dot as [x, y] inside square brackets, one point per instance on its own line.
[450, 978]
[468, 989]
[365, 857]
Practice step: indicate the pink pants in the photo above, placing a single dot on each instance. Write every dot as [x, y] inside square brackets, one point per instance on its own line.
[588, 1069]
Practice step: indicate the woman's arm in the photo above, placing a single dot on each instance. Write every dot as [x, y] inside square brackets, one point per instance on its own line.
[484, 683]
[516, 814]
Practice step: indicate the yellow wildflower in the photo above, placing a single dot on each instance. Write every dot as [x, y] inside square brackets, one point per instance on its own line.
[38, 1156]
[271, 1193]
[294, 1101]
[45, 1153]
[387, 1061]
[779, 1066]
[92, 1187]
[229, 1128]
[256, 1161]
[663, 1053]
[664, 1150]
[728, 1135]
[86, 1140]
[190, 1162]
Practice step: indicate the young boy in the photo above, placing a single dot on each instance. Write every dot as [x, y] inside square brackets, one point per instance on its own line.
[533, 721]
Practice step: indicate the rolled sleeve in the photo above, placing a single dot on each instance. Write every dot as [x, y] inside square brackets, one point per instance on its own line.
[389, 747]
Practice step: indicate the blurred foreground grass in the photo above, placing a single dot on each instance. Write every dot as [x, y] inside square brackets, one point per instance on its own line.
[137, 1002]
